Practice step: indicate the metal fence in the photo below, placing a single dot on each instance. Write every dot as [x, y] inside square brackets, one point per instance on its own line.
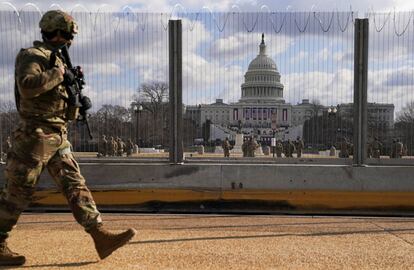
[283, 75]
[233, 84]
[391, 80]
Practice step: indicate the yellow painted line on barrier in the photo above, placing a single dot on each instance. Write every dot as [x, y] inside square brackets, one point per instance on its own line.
[297, 199]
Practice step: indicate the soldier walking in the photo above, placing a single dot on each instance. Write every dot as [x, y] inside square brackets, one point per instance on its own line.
[40, 140]
[226, 147]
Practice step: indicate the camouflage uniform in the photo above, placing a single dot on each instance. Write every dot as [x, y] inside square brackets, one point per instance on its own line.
[279, 149]
[399, 147]
[299, 147]
[251, 147]
[344, 147]
[393, 148]
[129, 147]
[226, 147]
[112, 147]
[376, 148]
[40, 142]
[103, 143]
[245, 148]
[120, 146]
[289, 148]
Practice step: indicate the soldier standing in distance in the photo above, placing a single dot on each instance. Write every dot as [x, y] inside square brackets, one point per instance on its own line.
[120, 146]
[376, 148]
[129, 147]
[299, 147]
[103, 146]
[226, 147]
[245, 147]
[279, 148]
[399, 147]
[110, 146]
[114, 149]
[40, 141]
[393, 153]
[344, 148]
[290, 148]
[251, 147]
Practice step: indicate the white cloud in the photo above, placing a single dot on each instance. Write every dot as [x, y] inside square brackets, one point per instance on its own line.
[118, 52]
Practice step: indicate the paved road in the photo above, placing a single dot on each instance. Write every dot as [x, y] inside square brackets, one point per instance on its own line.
[55, 241]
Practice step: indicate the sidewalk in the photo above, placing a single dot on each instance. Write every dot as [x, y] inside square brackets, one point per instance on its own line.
[55, 241]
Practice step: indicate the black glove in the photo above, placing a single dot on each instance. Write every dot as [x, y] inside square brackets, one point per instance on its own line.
[86, 103]
[69, 77]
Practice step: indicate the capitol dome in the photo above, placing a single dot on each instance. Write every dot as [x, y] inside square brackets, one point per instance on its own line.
[262, 79]
[262, 62]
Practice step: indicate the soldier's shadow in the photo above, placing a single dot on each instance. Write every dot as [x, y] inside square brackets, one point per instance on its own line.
[74, 264]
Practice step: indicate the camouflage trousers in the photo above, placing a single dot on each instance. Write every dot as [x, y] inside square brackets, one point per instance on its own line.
[32, 152]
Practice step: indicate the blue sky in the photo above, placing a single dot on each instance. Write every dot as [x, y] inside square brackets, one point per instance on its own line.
[313, 50]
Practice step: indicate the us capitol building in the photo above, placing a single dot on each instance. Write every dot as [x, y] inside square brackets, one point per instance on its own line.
[262, 107]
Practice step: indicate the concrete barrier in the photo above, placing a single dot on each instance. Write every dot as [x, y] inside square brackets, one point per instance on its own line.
[243, 187]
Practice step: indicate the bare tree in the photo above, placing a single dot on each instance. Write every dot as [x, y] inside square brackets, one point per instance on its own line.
[153, 118]
[152, 96]
[404, 126]
[406, 115]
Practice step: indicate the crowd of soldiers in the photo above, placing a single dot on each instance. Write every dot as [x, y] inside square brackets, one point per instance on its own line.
[249, 147]
[398, 149]
[374, 149]
[288, 147]
[115, 147]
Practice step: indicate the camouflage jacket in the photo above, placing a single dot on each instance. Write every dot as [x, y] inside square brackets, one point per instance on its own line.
[42, 95]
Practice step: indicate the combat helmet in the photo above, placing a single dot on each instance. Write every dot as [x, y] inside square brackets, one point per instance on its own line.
[55, 20]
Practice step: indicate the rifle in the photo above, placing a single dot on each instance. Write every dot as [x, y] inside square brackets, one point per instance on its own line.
[74, 88]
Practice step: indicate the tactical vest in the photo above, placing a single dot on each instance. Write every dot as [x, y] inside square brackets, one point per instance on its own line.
[49, 108]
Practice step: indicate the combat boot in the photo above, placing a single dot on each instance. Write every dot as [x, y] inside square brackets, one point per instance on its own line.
[8, 257]
[107, 242]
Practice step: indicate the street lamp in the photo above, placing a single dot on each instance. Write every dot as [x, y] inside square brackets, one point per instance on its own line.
[331, 115]
[332, 111]
[137, 109]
